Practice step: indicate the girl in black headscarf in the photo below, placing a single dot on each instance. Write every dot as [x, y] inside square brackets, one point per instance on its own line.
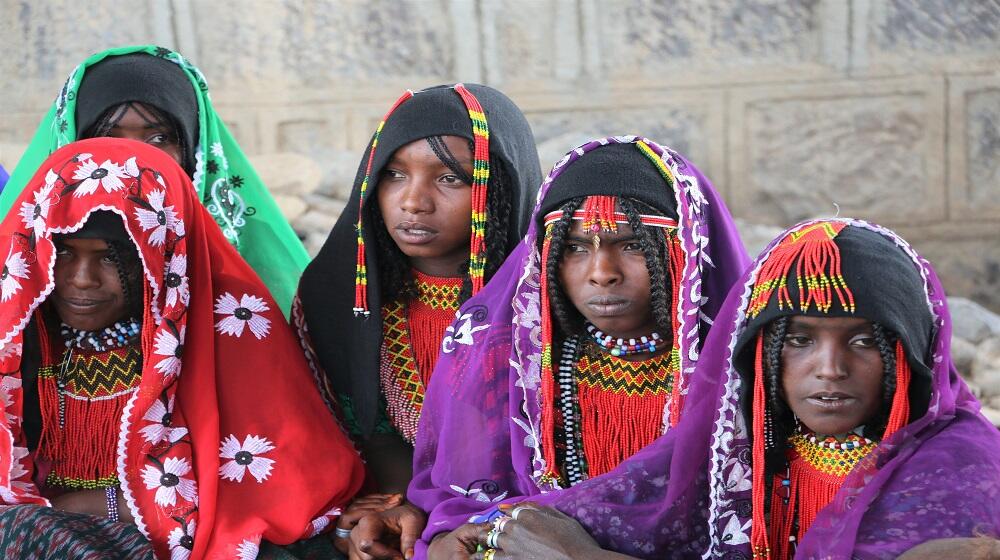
[441, 196]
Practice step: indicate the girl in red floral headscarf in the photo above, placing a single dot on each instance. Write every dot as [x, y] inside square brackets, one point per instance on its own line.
[146, 374]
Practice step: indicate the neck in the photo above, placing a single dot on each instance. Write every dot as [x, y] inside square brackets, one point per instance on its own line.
[442, 267]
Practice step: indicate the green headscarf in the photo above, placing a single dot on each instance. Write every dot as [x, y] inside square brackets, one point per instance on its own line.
[227, 185]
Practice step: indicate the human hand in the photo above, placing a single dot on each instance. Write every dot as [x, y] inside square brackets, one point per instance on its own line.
[389, 534]
[458, 544]
[532, 531]
[372, 503]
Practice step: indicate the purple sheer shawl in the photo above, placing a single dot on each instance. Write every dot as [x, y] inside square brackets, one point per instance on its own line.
[479, 440]
[939, 477]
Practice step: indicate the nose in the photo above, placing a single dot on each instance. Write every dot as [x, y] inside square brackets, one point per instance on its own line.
[832, 363]
[605, 268]
[415, 197]
[83, 275]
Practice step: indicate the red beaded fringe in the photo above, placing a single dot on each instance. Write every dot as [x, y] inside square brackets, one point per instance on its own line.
[599, 214]
[817, 272]
[480, 180]
[676, 271]
[427, 325]
[548, 380]
[361, 269]
[616, 425]
[758, 531]
[809, 492]
[900, 412]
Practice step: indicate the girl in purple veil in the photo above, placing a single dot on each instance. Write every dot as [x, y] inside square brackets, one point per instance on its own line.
[487, 436]
[925, 466]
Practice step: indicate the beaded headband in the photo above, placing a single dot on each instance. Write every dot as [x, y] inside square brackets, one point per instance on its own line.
[651, 220]
[480, 180]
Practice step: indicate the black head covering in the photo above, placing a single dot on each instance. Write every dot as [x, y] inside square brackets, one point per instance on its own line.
[148, 80]
[887, 288]
[348, 347]
[619, 169]
[101, 224]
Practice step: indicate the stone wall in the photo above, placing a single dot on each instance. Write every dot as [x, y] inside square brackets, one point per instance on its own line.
[885, 109]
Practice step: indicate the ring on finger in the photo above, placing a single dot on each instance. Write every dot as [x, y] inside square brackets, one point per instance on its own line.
[514, 513]
[342, 533]
[499, 523]
[489, 554]
[491, 539]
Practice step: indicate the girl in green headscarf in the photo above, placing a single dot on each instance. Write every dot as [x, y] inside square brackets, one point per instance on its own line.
[155, 95]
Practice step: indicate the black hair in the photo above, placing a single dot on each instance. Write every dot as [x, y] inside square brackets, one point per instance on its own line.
[783, 419]
[654, 247]
[153, 116]
[129, 266]
[395, 274]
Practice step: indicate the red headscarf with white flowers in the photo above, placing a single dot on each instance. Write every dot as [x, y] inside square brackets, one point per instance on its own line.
[248, 450]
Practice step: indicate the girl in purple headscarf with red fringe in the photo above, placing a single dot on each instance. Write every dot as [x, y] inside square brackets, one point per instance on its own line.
[841, 427]
[529, 397]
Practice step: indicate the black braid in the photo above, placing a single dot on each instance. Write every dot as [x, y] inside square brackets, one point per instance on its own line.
[564, 314]
[886, 342]
[654, 247]
[395, 274]
[113, 115]
[126, 259]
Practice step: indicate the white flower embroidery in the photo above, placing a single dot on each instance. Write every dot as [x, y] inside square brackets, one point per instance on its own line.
[7, 385]
[462, 335]
[17, 471]
[171, 346]
[323, 521]
[240, 313]
[34, 213]
[131, 168]
[161, 429]
[160, 219]
[108, 175]
[735, 534]
[13, 268]
[247, 550]
[245, 457]
[176, 281]
[181, 541]
[170, 481]
[9, 349]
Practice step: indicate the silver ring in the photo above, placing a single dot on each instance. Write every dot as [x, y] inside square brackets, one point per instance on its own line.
[517, 510]
[491, 539]
[500, 522]
[342, 533]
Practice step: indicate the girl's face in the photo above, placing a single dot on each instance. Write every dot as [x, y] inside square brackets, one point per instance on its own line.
[427, 209]
[88, 293]
[831, 372]
[608, 282]
[138, 123]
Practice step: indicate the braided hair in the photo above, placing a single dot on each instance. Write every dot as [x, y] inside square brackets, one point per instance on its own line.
[395, 271]
[654, 247]
[783, 418]
[152, 116]
[126, 259]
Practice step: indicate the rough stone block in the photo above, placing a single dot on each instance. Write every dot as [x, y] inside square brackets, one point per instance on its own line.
[893, 35]
[974, 147]
[319, 44]
[641, 38]
[874, 150]
[968, 266]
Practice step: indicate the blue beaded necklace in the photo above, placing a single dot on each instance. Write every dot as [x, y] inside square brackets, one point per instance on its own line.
[118, 335]
[622, 347]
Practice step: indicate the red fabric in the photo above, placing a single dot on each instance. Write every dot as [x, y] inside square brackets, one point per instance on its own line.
[241, 382]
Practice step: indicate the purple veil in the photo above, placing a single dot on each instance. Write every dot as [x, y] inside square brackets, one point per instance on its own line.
[479, 439]
[938, 477]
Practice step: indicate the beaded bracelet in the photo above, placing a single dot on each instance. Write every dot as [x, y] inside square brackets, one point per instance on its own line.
[111, 492]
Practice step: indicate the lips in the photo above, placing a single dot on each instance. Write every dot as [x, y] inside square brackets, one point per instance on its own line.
[608, 305]
[415, 233]
[82, 305]
[831, 399]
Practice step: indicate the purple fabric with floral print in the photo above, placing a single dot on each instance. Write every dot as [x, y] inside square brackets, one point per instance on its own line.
[479, 435]
[939, 477]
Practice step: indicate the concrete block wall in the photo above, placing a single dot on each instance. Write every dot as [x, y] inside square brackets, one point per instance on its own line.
[886, 109]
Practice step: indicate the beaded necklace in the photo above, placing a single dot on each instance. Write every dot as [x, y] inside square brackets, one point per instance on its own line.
[120, 334]
[817, 468]
[610, 407]
[619, 346]
[411, 338]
